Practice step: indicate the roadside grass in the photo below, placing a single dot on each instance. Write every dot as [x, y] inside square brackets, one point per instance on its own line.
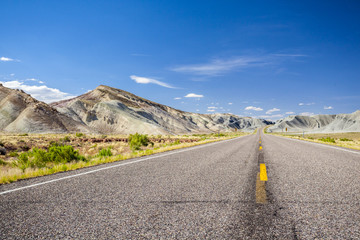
[347, 140]
[95, 154]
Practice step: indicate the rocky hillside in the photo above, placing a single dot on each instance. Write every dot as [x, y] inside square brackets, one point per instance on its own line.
[21, 113]
[111, 110]
[319, 123]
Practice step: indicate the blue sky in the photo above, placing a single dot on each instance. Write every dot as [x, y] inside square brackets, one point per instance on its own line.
[264, 59]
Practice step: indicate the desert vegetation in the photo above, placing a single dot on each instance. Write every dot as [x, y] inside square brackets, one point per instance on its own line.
[347, 140]
[24, 156]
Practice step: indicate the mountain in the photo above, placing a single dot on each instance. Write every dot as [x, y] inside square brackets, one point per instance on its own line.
[111, 110]
[319, 123]
[21, 113]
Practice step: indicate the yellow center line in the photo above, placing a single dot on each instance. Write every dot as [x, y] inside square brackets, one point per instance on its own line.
[260, 191]
[260, 147]
[263, 174]
[260, 141]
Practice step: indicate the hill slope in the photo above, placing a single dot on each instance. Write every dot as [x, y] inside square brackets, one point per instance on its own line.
[319, 123]
[111, 110]
[21, 113]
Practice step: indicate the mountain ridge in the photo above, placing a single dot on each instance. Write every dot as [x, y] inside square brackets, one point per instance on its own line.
[105, 108]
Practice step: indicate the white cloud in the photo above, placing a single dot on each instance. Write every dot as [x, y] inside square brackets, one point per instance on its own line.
[5, 59]
[212, 107]
[307, 114]
[216, 67]
[144, 80]
[289, 113]
[219, 66]
[272, 110]
[328, 108]
[193, 95]
[41, 93]
[177, 98]
[230, 103]
[271, 117]
[12, 74]
[211, 110]
[307, 104]
[253, 108]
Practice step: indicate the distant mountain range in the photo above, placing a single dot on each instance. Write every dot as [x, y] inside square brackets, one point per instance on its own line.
[110, 110]
[319, 123]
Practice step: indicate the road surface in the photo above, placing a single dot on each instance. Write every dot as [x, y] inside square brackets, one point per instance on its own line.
[211, 191]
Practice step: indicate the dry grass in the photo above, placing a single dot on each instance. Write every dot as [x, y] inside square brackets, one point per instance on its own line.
[120, 150]
[347, 140]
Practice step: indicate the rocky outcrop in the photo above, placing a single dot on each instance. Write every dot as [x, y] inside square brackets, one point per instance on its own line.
[21, 113]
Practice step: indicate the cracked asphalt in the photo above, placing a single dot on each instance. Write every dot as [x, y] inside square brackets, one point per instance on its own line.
[205, 192]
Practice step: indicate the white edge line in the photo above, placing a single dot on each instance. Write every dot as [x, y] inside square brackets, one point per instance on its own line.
[120, 164]
[318, 144]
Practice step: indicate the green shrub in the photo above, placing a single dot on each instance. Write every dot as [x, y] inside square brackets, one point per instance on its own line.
[79, 134]
[311, 138]
[105, 152]
[137, 140]
[66, 139]
[13, 154]
[55, 154]
[328, 139]
[2, 162]
[345, 139]
[24, 134]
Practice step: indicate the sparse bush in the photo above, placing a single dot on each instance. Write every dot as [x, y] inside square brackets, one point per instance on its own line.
[103, 136]
[105, 152]
[79, 135]
[55, 154]
[311, 138]
[137, 140]
[2, 162]
[328, 139]
[159, 136]
[345, 139]
[13, 154]
[66, 139]
[23, 135]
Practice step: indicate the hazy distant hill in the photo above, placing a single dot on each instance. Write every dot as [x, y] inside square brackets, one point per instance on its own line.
[111, 110]
[19, 112]
[319, 123]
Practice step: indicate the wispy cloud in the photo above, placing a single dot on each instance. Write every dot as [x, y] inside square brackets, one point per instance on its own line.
[290, 113]
[307, 104]
[270, 111]
[6, 59]
[271, 117]
[193, 95]
[307, 114]
[177, 98]
[34, 80]
[41, 93]
[253, 108]
[230, 103]
[218, 66]
[328, 107]
[144, 80]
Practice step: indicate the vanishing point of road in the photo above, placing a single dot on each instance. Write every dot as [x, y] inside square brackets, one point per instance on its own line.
[253, 187]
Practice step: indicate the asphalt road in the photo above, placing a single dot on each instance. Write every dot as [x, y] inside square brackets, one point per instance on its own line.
[211, 191]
